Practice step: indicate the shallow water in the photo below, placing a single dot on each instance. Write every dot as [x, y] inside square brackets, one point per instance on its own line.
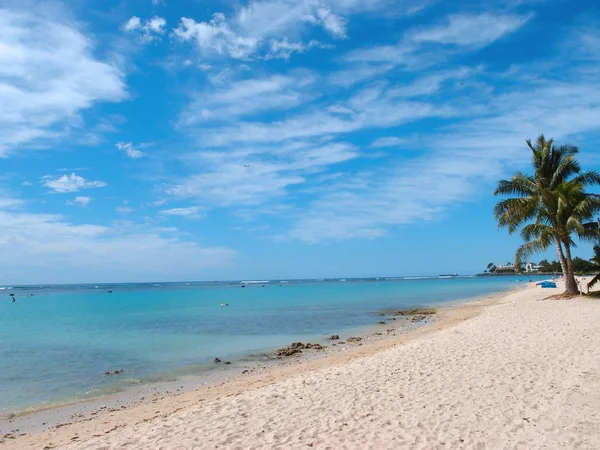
[56, 344]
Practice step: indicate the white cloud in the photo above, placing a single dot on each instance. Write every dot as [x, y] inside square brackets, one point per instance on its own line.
[388, 142]
[48, 76]
[71, 183]
[26, 183]
[239, 98]
[147, 31]
[135, 23]
[283, 49]
[253, 176]
[278, 23]
[191, 212]
[428, 46]
[130, 150]
[49, 249]
[470, 30]
[373, 107]
[80, 201]
[124, 210]
[217, 37]
[334, 24]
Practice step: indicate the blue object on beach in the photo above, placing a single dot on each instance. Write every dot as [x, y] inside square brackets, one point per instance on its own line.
[546, 284]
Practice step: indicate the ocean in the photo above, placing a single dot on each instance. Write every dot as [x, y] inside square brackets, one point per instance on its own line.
[56, 342]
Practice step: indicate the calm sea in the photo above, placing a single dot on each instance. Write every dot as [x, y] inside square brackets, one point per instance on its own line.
[56, 342]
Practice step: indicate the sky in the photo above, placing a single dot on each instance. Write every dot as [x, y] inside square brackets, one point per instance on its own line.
[148, 140]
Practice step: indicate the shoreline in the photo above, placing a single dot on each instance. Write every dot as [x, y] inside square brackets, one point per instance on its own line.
[174, 383]
[182, 391]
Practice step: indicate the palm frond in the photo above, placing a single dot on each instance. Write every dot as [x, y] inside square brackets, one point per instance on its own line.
[519, 184]
[594, 281]
[511, 213]
[528, 249]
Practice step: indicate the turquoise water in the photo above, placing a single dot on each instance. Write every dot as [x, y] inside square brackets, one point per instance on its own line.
[56, 344]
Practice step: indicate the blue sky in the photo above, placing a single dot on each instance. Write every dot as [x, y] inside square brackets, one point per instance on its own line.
[161, 140]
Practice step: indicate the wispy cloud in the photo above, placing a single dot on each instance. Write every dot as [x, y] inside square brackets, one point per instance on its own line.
[191, 212]
[58, 251]
[80, 201]
[390, 141]
[429, 46]
[256, 175]
[239, 98]
[49, 75]
[70, 183]
[470, 30]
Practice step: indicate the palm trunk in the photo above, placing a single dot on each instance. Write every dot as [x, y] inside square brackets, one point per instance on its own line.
[561, 258]
[570, 284]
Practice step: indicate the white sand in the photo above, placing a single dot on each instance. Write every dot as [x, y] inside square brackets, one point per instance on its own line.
[524, 374]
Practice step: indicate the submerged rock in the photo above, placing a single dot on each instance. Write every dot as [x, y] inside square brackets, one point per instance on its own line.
[381, 322]
[334, 337]
[114, 372]
[297, 347]
[412, 312]
[287, 351]
[216, 360]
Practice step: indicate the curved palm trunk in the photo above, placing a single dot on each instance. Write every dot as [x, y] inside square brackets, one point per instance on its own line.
[570, 284]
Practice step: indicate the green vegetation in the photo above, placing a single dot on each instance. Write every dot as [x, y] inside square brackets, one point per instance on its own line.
[596, 261]
[550, 206]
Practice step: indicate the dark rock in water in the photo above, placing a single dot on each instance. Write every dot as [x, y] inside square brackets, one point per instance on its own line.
[297, 347]
[287, 351]
[110, 292]
[227, 362]
[413, 312]
[354, 339]
[381, 322]
[114, 372]
[377, 334]
[341, 342]
[334, 337]
[243, 285]
[216, 360]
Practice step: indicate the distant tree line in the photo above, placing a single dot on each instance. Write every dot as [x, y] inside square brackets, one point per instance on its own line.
[580, 265]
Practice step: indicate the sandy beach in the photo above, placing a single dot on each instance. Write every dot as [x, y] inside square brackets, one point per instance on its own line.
[517, 371]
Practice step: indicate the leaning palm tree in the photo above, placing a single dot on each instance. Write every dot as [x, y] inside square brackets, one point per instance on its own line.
[596, 261]
[551, 205]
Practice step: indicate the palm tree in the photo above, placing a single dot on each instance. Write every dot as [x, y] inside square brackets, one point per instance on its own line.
[551, 205]
[596, 261]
